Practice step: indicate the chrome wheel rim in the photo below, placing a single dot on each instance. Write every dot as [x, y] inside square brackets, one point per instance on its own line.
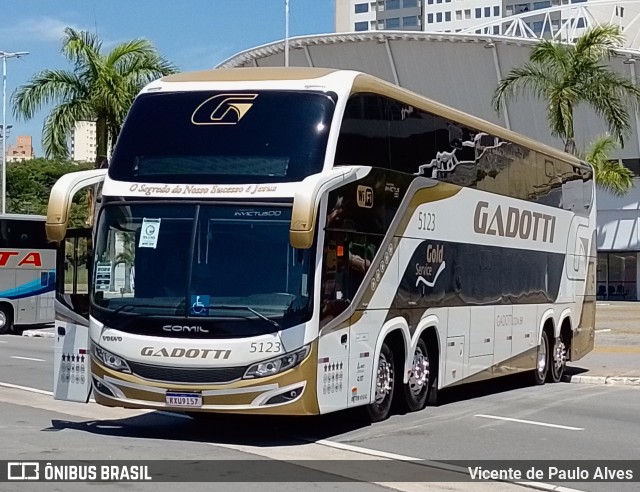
[3, 319]
[384, 381]
[542, 357]
[419, 375]
[559, 356]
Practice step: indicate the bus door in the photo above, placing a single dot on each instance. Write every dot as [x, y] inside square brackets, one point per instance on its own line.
[72, 377]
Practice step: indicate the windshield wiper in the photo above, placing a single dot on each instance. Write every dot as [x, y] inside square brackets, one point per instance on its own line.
[247, 308]
[113, 315]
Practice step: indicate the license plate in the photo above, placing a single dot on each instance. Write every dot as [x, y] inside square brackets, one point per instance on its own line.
[184, 399]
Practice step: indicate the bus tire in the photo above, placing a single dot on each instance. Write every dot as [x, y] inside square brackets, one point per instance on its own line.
[542, 360]
[557, 361]
[421, 379]
[380, 408]
[6, 320]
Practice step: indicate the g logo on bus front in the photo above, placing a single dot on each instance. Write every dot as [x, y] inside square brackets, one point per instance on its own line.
[223, 109]
[20, 259]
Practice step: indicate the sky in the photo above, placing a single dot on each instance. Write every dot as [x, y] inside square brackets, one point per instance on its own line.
[192, 34]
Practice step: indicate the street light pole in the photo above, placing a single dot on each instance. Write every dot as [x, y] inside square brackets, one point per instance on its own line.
[286, 33]
[4, 55]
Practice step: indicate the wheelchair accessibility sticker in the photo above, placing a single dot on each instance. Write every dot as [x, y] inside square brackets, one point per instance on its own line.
[200, 305]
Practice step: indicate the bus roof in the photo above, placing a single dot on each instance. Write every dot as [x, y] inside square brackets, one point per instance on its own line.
[250, 74]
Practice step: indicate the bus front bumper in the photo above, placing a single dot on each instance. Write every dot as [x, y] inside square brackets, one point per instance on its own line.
[292, 392]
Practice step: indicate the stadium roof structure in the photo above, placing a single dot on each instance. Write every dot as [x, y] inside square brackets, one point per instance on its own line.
[462, 69]
[566, 22]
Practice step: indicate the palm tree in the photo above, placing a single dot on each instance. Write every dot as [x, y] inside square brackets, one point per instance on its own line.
[101, 88]
[610, 175]
[126, 256]
[566, 75]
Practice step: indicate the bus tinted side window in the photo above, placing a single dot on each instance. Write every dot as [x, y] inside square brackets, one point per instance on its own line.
[390, 134]
[23, 234]
[415, 137]
[364, 134]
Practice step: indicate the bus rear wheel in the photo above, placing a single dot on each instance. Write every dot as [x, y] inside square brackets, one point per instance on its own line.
[420, 382]
[385, 385]
[6, 320]
[542, 360]
[557, 361]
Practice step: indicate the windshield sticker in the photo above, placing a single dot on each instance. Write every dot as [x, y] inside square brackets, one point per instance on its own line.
[149, 233]
[223, 109]
[200, 305]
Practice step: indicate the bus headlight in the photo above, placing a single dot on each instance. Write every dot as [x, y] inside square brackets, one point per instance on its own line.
[110, 360]
[278, 364]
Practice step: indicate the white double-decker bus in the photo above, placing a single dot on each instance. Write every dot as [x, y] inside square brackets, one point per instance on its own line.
[301, 241]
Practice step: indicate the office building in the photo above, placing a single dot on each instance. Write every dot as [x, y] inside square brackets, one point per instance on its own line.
[21, 151]
[83, 142]
[456, 15]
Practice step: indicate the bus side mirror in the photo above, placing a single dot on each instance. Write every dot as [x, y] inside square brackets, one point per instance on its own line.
[306, 203]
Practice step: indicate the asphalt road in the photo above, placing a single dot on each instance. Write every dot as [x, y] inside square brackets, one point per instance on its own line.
[499, 420]
[27, 361]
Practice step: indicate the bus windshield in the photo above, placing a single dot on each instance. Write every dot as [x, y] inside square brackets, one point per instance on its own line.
[201, 270]
[207, 137]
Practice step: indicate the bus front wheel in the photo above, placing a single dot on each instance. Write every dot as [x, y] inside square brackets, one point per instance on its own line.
[385, 386]
[6, 320]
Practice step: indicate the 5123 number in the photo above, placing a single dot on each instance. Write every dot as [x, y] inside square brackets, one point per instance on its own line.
[265, 347]
[426, 221]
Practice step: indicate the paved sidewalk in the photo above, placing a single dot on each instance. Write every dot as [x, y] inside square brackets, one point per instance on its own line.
[616, 356]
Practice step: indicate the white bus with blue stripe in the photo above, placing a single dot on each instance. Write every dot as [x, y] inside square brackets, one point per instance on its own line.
[27, 272]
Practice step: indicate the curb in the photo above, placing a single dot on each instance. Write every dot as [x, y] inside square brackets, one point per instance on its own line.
[39, 333]
[607, 380]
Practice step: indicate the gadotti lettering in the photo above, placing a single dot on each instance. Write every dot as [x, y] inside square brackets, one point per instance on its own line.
[188, 353]
[513, 222]
[22, 259]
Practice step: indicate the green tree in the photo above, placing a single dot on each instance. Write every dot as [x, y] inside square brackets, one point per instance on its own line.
[29, 184]
[610, 175]
[100, 87]
[567, 75]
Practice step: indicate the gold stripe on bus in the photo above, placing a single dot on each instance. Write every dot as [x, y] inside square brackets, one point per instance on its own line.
[525, 361]
[434, 192]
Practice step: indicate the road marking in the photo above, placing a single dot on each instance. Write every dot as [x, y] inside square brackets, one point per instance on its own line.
[532, 422]
[371, 452]
[26, 388]
[314, 455]
[604, 330]
[2, 341]
[27, 358]
[32, 390]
